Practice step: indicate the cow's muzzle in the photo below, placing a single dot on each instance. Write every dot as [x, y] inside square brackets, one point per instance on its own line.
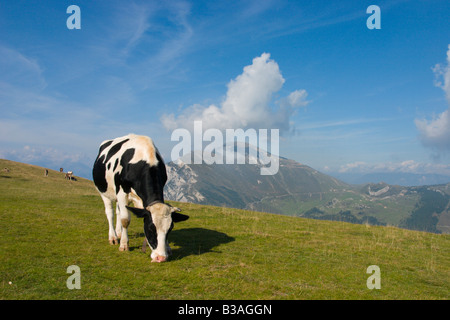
[159, 259]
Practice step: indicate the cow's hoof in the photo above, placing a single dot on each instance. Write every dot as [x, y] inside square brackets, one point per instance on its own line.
[113, 241]
[124, 248]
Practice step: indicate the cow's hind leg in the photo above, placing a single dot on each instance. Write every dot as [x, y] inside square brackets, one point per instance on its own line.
[118, 222]
[124, 219]
[112, 237]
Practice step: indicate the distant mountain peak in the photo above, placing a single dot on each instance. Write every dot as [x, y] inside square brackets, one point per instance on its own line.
[241, 185]
[231, 153]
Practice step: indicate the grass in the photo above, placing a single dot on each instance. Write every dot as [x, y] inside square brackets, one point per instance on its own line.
[48, 224]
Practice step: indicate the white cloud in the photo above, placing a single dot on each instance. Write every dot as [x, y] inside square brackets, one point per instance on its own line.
[349, 167]
[247, 103]
[435, 133]
[297, 99]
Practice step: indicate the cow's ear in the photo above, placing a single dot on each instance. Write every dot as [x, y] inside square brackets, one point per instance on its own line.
[139, 212]
[174, 209]
[178, 217]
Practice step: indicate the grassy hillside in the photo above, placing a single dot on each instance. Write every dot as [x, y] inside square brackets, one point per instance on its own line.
[48, 224]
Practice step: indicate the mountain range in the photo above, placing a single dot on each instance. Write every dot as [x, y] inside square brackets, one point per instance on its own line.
[299, 190]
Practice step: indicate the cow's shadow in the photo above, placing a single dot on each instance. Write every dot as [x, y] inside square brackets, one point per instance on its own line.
[194, 241]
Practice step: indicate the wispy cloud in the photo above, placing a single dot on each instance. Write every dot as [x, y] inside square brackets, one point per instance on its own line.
[135, 24]
[341, 123]
[128, 26]
[148, 41]
[19, 69]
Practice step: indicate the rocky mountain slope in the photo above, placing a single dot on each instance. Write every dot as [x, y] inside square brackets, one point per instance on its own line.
[299, 190]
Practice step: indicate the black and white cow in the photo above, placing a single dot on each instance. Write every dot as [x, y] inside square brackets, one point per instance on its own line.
[130, 169]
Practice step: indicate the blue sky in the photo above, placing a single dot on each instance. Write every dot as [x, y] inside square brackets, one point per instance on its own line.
[368, 100]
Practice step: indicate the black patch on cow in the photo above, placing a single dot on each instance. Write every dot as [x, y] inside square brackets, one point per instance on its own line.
[115, 164]
[150, 231]
[119, 178]
[99, 170]
[148, 181]
[104, 146]
[114, 149]
[117, 182]
[161, 168]
[98, 174]
[149, 226]
[126, 157]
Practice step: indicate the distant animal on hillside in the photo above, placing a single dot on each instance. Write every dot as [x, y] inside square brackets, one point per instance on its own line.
[130, 169]
[69, 175]
[46, 172]
[6, 169]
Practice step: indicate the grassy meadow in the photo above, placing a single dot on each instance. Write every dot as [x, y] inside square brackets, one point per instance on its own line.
[48, 224]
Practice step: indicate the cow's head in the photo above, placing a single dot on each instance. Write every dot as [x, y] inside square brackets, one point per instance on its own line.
[158, 222]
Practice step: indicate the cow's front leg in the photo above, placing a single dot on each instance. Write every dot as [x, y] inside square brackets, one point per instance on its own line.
[124, 240]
